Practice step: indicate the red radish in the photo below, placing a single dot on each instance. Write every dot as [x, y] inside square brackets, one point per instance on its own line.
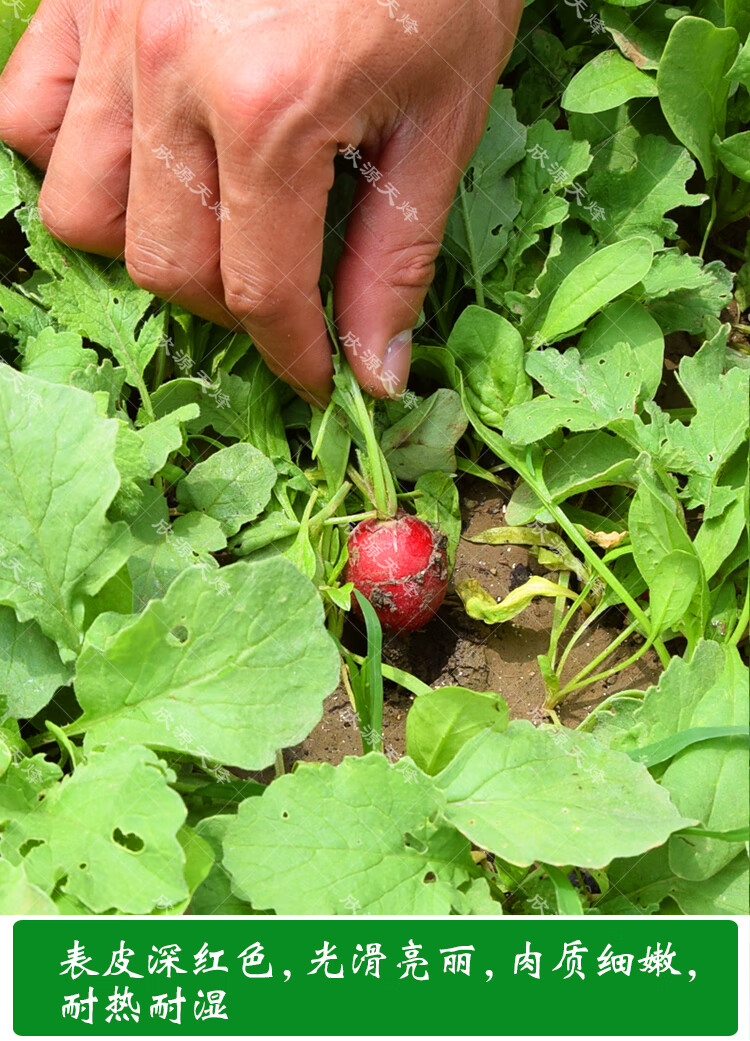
[401, 567]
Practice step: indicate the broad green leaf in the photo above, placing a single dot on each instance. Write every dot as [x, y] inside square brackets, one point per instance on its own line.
[639, 37]
[57, 480]
[721, 530]
[232, 486]
[30, 667]
[232, 668]
[734, 153]
[107, 835]
[664, 553]
[693, 86]
[484, 607]
[441, 722]
[707, 780]
[439, 506]
[606, 81]
[165, 547]
[599, 279]
[635, 199]
[480, 220]
[625, 321]
[214, 896]
[740, 70]
[18, 896]
[22, 784]
[423, 441]
[639, 884]
[584, 395]
[489, 352]
[557, 796]
[581, 463]
[364, 833]
[570, 246]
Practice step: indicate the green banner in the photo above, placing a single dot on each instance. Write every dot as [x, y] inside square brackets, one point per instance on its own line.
[363, 975]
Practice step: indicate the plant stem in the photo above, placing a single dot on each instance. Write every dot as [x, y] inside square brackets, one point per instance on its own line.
[742, 622]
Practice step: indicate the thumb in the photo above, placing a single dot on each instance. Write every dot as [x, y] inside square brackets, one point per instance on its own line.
[392, 239]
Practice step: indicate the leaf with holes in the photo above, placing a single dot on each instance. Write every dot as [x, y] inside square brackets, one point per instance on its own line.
[229, 666]
[107, 836]
[364, 834]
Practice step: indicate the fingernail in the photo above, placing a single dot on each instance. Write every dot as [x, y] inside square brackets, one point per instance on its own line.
[396, 362]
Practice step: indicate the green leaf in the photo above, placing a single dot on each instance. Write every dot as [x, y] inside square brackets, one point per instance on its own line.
[734, 153]
[639, 885]
[597, 280]
[490, 354]
[707, 780]
[693, 86]
[583, 462]
[89, 296]
[663, 551]
[30, 667]
[362, 834]
[214, 896]
[636, 197]
[740, 70]
[441, 722]
[423, 440]
[18, 896]
[568, 899]
[529, 795]
[480, 221]
[61, 358]
[660, 751]
[624, 321]
[57, 480]
[584, 394]
[439, 506]
[484, 607]
[606, 81]
[10, 197]
[232, 671]
[106, 835]
[233, 486]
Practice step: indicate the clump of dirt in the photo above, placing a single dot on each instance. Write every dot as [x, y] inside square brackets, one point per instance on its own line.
[455, 650]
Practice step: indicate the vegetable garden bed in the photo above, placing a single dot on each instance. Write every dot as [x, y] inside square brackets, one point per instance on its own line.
[194, 718]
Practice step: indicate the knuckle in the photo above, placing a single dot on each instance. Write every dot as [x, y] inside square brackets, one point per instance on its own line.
[58, 216]
[160, 31]
[153, 270]
[249, 298]
[411, 268]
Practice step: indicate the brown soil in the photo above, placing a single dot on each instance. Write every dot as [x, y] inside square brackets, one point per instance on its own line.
[455, 650]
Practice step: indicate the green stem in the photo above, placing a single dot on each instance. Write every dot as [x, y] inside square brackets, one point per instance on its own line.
[742, 622]
[573, 685]
[711, 220]
[559, 617]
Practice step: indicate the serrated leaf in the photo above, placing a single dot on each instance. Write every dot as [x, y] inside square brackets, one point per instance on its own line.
[57, 480]
[583, 395]
[635, 198]
[527, 795]
[364, 831]
[230, 672]
[106, 835]
[480, 220]
[30, 667]
[597, 280]
[233, 486]
[692, 83]
[606, 81]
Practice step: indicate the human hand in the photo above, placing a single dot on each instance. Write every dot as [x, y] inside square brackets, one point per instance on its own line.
[196, 138]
